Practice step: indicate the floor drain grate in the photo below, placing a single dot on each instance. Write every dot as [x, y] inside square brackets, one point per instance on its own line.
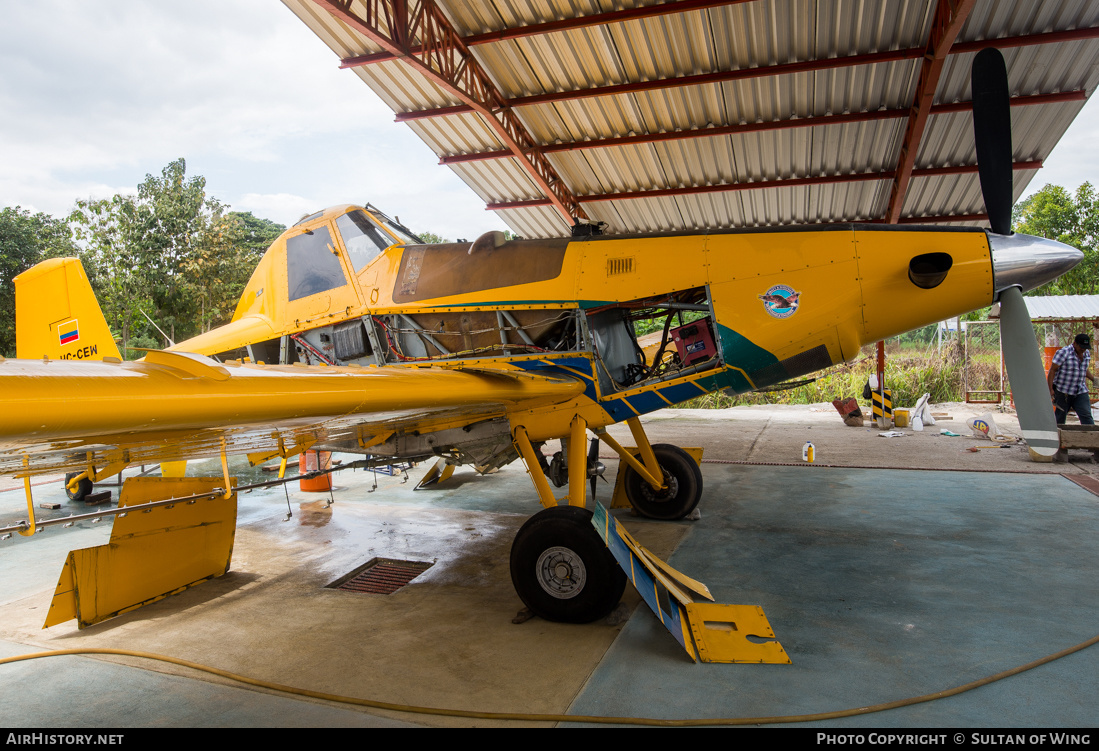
[380, 576]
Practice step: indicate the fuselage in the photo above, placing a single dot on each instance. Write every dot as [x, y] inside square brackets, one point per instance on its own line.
[730, 310]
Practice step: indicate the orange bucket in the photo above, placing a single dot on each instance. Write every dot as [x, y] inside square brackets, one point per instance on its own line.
[311, 461]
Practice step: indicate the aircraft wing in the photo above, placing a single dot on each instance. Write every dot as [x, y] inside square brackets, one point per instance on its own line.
[174, 406]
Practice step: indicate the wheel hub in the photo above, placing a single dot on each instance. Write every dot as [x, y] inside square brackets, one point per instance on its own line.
[669, 491]
[561, 573]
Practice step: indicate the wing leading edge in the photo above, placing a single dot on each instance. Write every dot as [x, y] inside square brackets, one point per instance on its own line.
[177, 405]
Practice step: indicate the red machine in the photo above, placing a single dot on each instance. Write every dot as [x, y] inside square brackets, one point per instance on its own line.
[694, 341]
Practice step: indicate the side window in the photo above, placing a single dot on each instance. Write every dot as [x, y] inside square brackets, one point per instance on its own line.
[362, 238]
[311, 266]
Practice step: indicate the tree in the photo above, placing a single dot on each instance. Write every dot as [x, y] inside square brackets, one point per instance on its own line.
[25, 239]
[171, 252]
[1072, 219]
[255, 235]
[249, 238]
[431, 237]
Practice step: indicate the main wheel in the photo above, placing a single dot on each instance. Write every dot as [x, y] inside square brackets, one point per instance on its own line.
[561, 568]
[682, 477]
[82, 488]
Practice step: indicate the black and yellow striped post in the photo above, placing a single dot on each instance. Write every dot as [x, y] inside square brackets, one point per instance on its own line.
[882, 401]
[883, 408]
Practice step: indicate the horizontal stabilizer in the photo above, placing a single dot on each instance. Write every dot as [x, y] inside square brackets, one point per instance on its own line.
[57, 315]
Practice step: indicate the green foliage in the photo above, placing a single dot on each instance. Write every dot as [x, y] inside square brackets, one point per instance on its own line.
[909, 374]
[170, 252]
[254, 235]
[645, 326]
[1072, 219]
[431, 237]
[25, 239]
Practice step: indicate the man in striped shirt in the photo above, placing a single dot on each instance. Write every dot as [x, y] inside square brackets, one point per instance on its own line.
[1071, 366]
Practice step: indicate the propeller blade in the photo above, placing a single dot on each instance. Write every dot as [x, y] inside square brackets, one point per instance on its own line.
[1028, 379]
[992, 134]
[593, 456]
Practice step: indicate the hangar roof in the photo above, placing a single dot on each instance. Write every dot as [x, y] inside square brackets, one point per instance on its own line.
[689, 114]
[1063, 307]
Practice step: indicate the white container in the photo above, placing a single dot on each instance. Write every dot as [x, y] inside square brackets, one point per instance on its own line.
[808, 452]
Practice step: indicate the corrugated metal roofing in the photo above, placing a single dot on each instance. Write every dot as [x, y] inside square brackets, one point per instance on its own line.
[743, 50]
[1063, 307]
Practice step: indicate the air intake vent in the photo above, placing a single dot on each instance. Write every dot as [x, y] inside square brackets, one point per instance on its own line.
[380, 576]
[616, 266]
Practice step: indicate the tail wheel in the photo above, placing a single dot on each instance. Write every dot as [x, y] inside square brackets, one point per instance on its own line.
[682, 485]
[561, 568]
[82, 488]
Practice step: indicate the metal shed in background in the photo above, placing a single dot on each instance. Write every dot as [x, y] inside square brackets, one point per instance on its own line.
[1057, 320]
[1060, 318]
[715, 113]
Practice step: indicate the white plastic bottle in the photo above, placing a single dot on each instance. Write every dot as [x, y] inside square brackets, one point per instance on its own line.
[808, 452]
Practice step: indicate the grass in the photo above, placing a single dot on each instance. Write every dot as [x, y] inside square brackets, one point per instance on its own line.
[909, 374]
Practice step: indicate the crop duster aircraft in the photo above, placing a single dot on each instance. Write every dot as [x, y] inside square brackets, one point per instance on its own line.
[353, 336]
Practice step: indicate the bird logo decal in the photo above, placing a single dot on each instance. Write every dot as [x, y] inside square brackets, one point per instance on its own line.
[781, 301]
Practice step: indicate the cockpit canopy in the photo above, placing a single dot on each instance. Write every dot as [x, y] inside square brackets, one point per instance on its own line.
[320, 264]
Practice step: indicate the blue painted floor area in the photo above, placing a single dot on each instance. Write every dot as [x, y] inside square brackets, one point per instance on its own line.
[881, 585]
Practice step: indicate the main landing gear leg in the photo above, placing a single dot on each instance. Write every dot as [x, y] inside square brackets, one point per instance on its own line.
[667, 486]
[561, 568]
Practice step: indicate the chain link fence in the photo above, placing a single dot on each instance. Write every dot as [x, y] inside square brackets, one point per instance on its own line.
[983, 381]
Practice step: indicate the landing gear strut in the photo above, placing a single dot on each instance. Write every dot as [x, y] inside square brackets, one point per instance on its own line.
[561, 568]
[82, 488]
[682, 485]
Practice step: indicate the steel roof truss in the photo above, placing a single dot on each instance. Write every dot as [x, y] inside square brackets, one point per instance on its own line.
[446, 61]
[724, 130]
[566, 24]
[950, 16]
[795, 182]
[764, 71]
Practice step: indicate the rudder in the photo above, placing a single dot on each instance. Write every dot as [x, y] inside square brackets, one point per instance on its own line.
[57, 315]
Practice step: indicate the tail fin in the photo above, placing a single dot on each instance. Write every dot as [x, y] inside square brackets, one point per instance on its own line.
[57, 315]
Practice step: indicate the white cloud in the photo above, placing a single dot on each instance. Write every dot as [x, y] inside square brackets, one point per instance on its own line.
[1075, 159]
[282, 205]
[97, 95]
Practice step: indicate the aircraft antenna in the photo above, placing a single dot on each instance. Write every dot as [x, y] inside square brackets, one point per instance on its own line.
[150, 320]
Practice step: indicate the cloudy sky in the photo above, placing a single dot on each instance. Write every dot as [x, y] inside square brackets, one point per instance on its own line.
[95, 95]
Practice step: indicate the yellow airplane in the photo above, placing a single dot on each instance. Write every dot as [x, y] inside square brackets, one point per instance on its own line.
[353, 336]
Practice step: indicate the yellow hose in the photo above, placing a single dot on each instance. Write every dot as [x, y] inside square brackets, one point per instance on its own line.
[515, 716]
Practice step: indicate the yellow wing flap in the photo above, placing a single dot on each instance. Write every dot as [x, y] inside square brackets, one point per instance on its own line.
[175, 405]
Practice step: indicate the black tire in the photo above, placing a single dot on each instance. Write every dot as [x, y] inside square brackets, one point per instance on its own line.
[681, 475]
[561, 568]
[82, 488]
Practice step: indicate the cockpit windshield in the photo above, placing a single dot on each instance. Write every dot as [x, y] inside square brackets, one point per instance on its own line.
[363, 239]
[402, 232]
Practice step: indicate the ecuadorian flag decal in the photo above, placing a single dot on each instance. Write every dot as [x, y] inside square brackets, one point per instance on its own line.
[69, 332]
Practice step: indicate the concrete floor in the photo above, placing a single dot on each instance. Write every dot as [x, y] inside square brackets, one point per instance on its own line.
[881, 583]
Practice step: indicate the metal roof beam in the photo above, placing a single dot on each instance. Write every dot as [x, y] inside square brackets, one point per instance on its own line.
[791, 182]
[950, 16]
[741, 74]
[939, 219]
[789, 123]
[765, 71]
[549, 27]
[448, 63]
